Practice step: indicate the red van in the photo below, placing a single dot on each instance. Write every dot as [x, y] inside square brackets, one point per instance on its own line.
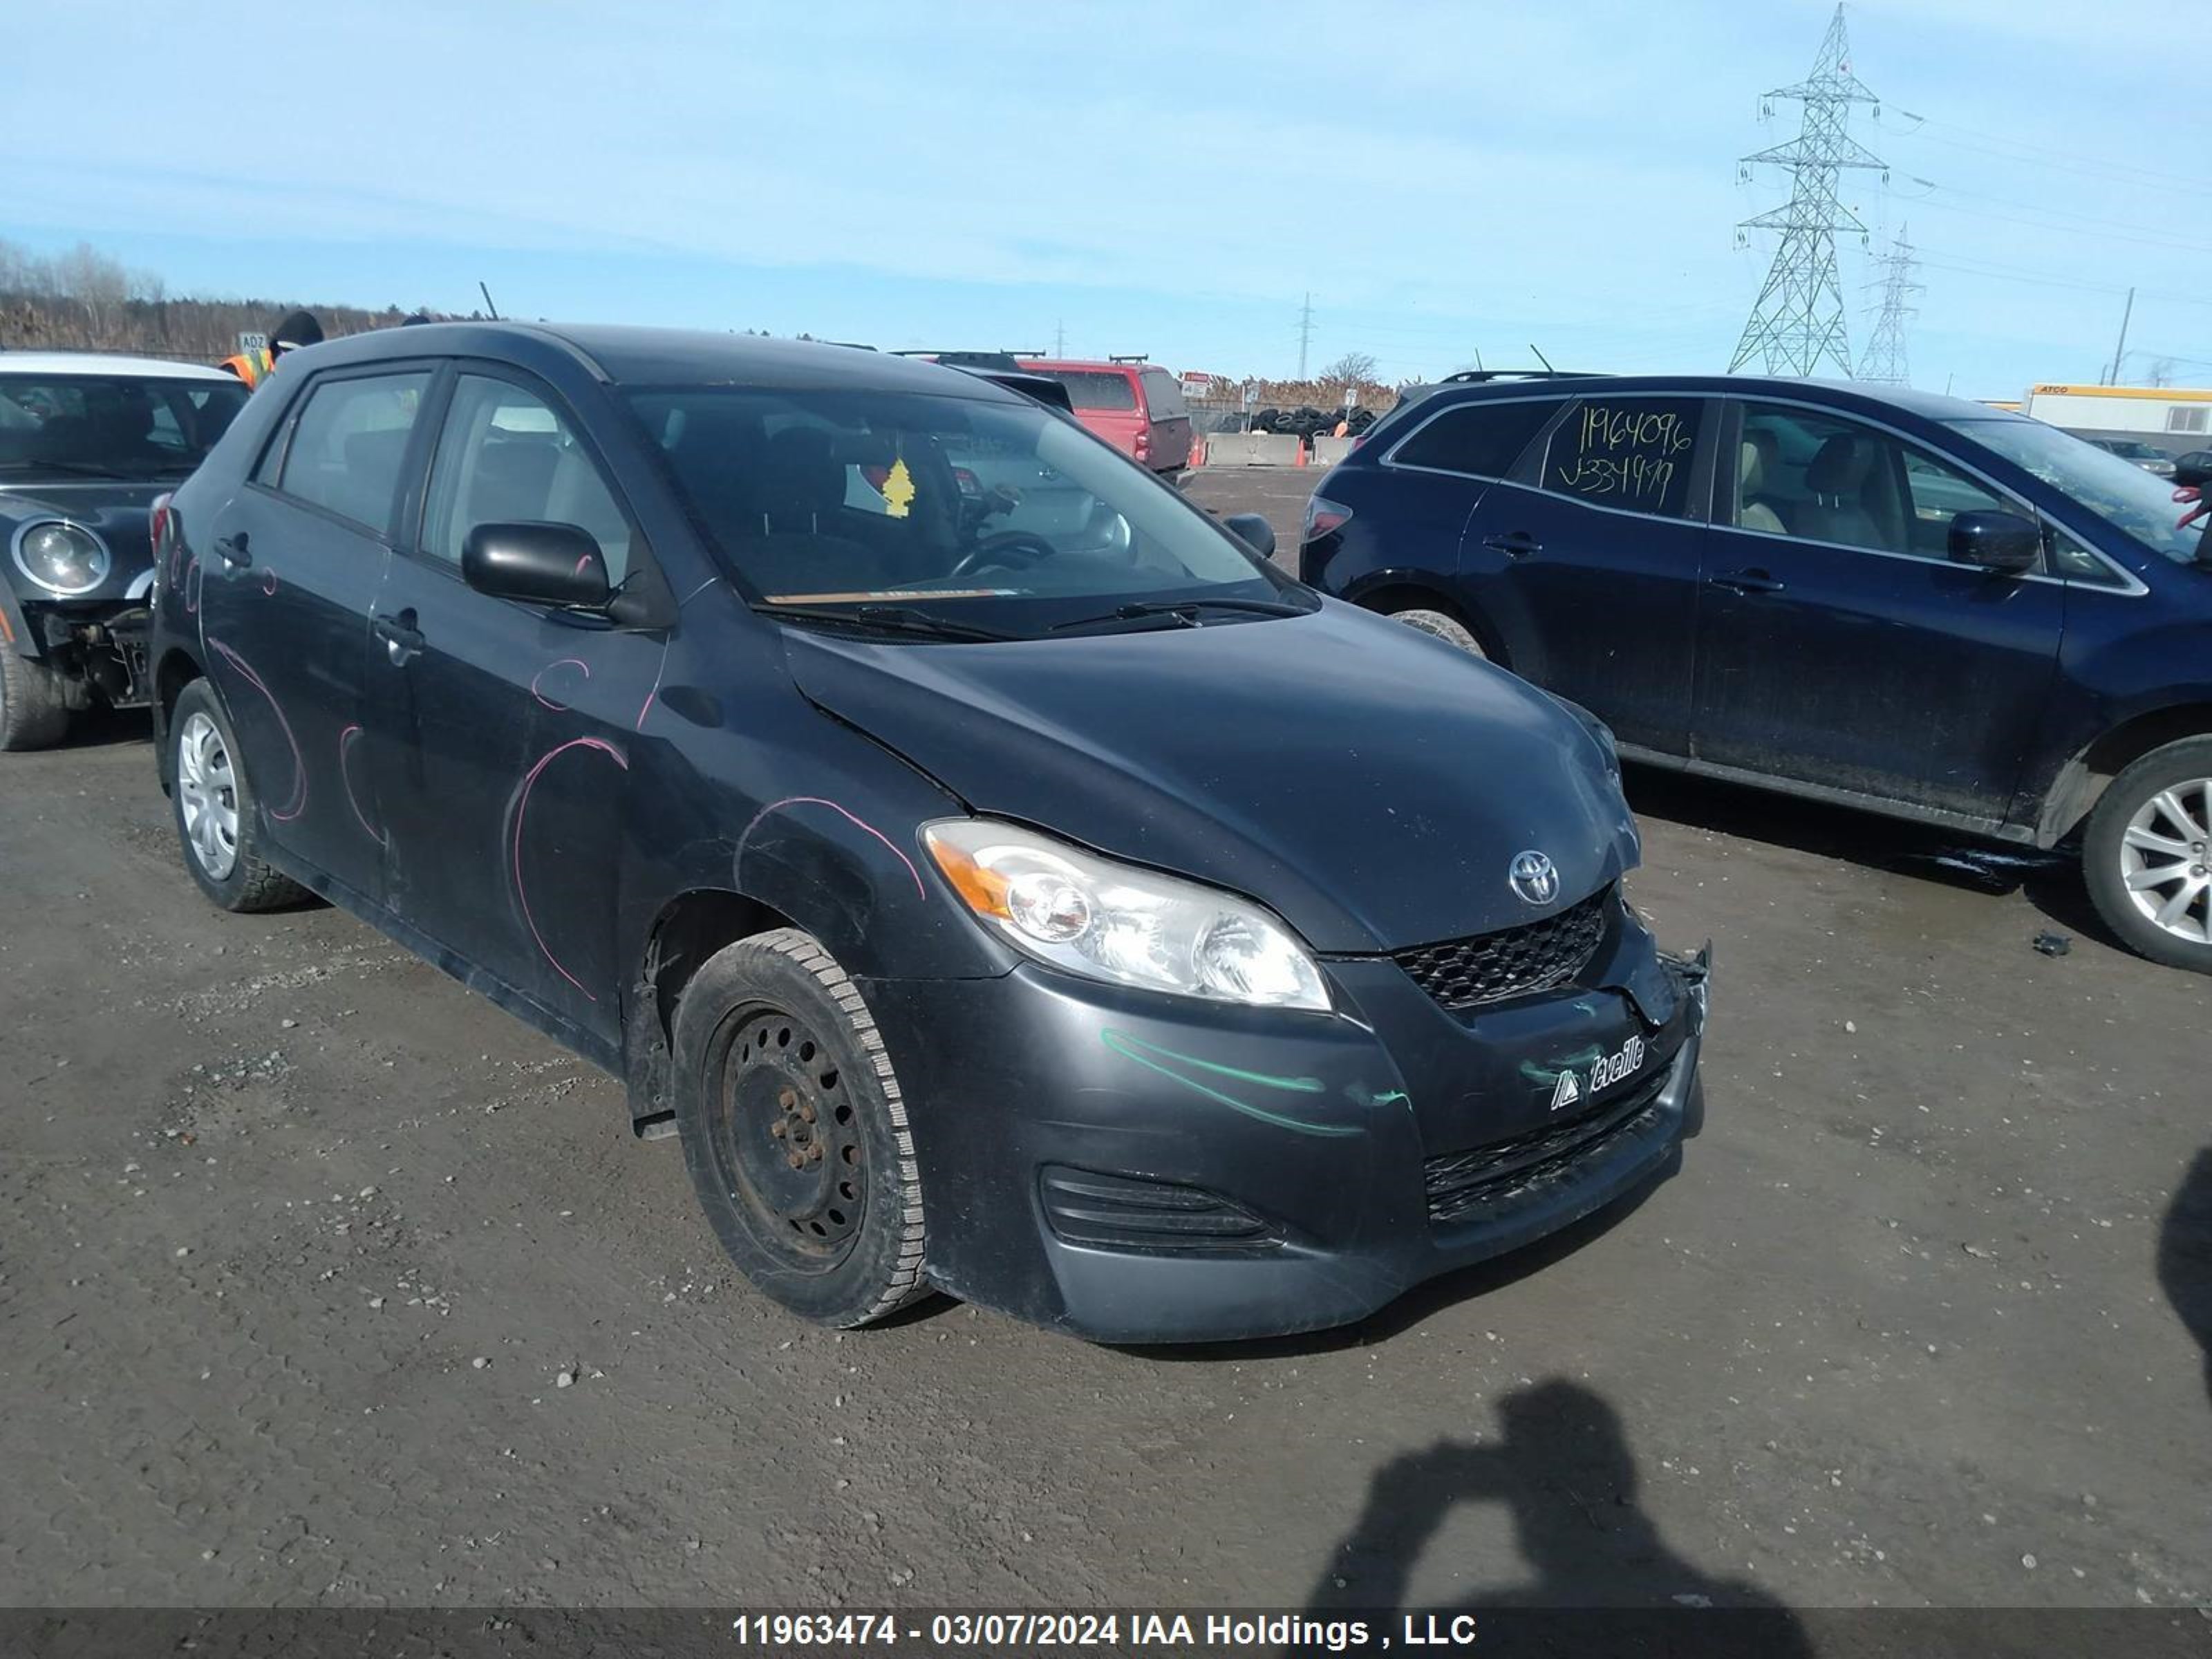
[1136, 407]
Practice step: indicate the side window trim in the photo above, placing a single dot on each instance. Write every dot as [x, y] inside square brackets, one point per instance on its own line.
[279, 444]
[1389, 457]
[415, 511]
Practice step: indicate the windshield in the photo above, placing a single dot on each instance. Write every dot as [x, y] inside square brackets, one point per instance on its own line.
[114, 426]
[2139, 503]
[999, 515]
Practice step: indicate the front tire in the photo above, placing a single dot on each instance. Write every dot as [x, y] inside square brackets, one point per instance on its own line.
[212, 802]
[1442, 625]
[33, 703]
[2148, 857]
[795, 1132]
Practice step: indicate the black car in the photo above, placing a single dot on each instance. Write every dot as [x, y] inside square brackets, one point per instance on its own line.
[1891, 600]
[88, 444]
[1026, 891]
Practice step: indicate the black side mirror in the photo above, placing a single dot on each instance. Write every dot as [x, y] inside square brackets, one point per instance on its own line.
[1996, 541]
[539, 563]
[1253, 530]
[2193, 469]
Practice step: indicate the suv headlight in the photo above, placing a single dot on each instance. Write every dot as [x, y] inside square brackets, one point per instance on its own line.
[1115, 922]
[62, 558]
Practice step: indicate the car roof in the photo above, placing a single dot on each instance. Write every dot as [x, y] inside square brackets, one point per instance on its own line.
[102, 363]
[1928, 405]
[628, 355]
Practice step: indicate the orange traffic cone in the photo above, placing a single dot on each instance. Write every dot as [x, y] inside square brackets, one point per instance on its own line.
[1301, 460]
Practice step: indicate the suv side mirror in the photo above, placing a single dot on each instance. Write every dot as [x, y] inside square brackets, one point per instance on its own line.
[539, 563]
[1253, 530]
[2193, 469]
[1996, 541]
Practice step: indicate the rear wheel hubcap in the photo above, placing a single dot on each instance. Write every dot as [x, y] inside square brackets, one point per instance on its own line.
[207, 796]
[2164, 859]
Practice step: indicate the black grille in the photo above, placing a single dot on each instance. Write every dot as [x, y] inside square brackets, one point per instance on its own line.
[1123, 1213]
[1458, 1182]
[1517, 961]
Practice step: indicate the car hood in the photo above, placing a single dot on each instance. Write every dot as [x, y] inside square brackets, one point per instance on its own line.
[1370, 783]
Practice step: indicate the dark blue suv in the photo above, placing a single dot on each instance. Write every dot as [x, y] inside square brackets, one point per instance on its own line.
[1907, 602]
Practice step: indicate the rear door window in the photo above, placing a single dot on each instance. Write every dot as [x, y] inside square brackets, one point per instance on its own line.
[349, 443]
[1481, 440]
[1631, 454]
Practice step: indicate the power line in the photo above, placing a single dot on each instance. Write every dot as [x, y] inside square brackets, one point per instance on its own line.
[1797, 321]
[1305, 332]
[1884, 363]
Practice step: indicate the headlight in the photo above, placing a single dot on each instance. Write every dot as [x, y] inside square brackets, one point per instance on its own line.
[62, 558]
[1115, 922]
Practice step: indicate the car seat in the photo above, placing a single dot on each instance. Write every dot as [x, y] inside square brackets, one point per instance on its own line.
[1754, 511]
[1837, 478]
[802, 547]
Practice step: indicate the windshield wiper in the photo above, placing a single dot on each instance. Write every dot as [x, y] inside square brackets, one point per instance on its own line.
[1186, 611]
[889, 618]
[82, 469]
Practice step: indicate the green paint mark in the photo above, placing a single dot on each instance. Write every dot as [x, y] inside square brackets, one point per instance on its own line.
[1544, 1078]
[1384, 1100]
[1143, 1053]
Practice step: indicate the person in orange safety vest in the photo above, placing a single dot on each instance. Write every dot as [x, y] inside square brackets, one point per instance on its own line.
[300, 329]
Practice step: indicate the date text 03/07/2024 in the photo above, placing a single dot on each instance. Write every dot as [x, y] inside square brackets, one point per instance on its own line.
[999, 1631]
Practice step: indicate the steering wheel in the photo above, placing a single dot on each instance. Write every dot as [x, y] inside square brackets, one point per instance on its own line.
[1013, 548]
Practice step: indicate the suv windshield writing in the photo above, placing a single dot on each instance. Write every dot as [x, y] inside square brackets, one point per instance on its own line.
[858, 498]
[119, 425]
[2118, 491]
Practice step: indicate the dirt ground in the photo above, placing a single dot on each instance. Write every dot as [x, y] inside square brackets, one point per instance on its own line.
[299, 1242]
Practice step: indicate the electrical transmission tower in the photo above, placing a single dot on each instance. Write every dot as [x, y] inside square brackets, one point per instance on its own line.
[1884, 363]
[1798, 321]
[1305, 333]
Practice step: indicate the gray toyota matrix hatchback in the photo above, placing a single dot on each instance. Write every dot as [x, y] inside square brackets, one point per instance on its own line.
[900, 792]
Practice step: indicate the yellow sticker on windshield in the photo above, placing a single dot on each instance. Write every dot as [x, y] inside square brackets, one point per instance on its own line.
[898, 489]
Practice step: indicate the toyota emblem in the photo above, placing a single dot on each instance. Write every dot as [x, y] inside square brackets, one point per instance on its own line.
[1533, 877]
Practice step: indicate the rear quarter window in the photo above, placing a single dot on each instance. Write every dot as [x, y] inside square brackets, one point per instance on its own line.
[1481, 440]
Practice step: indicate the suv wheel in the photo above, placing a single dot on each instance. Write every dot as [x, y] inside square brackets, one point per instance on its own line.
[1446, 627]
[2147, 856]
[212, 802]
[33, 703]
[795, 1132]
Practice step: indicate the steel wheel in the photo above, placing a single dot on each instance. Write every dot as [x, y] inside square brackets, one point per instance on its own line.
[2164, 859]
[787, 1140]
[207, 796]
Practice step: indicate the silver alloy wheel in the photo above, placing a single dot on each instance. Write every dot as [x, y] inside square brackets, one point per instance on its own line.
[207, 796]
[2165, 859]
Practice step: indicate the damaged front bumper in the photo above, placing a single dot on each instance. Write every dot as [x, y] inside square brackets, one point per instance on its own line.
[1137, 1169]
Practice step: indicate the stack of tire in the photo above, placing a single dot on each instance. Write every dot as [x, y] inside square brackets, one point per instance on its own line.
[1306, 423]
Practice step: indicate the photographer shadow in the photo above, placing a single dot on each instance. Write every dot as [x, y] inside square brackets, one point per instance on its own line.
[2184, 1256]
[1565, 1471]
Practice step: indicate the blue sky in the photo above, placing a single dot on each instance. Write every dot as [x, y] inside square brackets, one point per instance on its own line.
[1171, 178]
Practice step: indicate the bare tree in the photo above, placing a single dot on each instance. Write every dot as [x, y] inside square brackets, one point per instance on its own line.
[1354, 368]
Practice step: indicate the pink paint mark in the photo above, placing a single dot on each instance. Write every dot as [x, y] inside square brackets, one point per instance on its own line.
[583, 563]
[268, 583]
[647, 707]
[298, 804]
[521, 806]
[345, 778]
[859, 824]
[564, 662]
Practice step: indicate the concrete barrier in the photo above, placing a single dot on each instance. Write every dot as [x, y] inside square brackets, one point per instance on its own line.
[1328, 452]
[1251, 449]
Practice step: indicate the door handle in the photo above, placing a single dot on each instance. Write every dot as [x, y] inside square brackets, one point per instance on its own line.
[1747, 582]
[402, 639]
[232, 551]
[1515, 544]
